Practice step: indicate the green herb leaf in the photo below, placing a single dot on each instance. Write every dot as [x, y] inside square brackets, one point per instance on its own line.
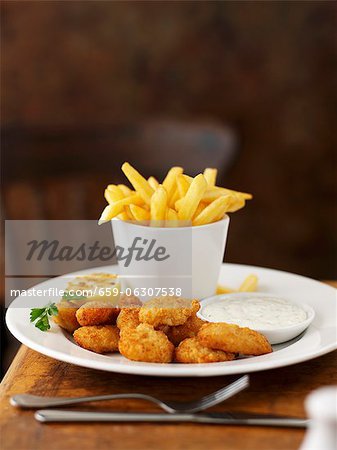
[35, 313]
[40, 315]
[52, 310]
[43, 323]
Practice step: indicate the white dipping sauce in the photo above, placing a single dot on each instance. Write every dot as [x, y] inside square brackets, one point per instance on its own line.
[255, 312]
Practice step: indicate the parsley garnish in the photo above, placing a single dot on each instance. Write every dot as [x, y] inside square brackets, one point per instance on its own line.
[41, 316]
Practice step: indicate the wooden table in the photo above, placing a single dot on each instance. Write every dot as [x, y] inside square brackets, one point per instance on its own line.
[279, 391]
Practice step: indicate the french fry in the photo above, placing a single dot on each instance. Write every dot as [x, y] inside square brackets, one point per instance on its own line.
[153, 182]
[181, 198]
[200, 208]
[117, 208]
[192, 198]
[210, 176]
[211, 194]
[249, 284]
[113, 193]
[220, 216]
[139, 213]
[182, 185]
[107, 214]
[134, 199]
[171, 214]
[244, 195]
[125, 189]
[140, 184]
[158, 206]
[220, 289]
[123, 216]
[174, 198]
[178, 204]
[213, 210]
[237, 203]
[128, 213]
[184, 188]
[169, 182]
[214, 192]
[171, 218]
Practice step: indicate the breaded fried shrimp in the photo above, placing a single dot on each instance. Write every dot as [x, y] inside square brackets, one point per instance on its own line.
[98, 339]
[167, 310]
[189, 329]
[128, 318]
[126, 301]
[144, 343]
[233, 339]
[97, 313]
[191, 351]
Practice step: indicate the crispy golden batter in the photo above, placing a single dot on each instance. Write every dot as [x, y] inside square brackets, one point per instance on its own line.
[148, 332]
[128, 318]
[98, 339]
[191, 351]
[66, 317]
[126, 301]
[97, 313]
[233, 339]
[188, 330]
[144, 343]
[167, 310]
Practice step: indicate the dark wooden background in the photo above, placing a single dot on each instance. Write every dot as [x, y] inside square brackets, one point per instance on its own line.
[265, 68]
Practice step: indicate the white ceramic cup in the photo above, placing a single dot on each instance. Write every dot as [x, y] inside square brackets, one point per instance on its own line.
[187, 263]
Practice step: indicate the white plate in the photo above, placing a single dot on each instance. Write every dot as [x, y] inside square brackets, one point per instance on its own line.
[318, 339]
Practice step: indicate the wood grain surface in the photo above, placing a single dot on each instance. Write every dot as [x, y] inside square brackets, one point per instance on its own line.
[279, 391]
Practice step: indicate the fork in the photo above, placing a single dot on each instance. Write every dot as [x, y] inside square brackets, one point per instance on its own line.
[34, 401]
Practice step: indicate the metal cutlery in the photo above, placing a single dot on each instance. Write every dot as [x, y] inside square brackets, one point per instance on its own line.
[33, 401]
[56, 415]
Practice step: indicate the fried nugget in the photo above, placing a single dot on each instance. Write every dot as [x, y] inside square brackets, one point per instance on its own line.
[97, 313]
[146, 344]
[128, 318]
[188, 330]
[167, 310]
[233, 339]
[191, 351]
[66, 317]
[98, 339]
[126, 301]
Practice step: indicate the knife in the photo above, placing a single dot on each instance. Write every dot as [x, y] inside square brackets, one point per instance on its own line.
[57, 415]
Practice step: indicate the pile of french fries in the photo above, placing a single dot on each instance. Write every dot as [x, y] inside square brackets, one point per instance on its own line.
[180, 200]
